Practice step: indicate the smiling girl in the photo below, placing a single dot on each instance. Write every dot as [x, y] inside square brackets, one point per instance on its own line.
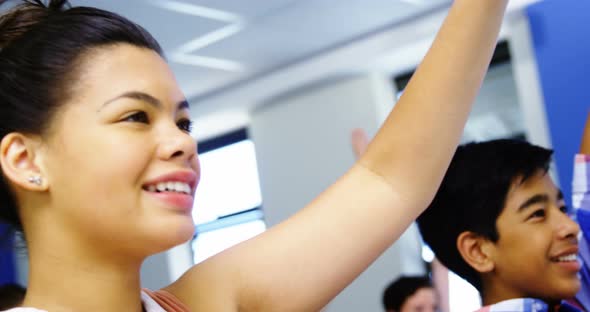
[98, 168]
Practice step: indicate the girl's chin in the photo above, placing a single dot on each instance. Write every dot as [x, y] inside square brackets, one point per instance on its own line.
[168, 236]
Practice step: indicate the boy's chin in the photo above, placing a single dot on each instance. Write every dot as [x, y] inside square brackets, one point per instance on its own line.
[568, 290]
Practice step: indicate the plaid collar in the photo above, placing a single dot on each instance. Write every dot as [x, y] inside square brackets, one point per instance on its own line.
[527, 305]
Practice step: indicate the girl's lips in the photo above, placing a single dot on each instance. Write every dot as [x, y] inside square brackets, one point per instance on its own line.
[177, 201]
[186, 176]
[174, 199]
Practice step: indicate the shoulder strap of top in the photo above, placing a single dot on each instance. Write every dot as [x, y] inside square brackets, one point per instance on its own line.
[167, 301]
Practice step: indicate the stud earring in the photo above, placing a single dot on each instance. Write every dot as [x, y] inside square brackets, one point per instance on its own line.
[35, 180]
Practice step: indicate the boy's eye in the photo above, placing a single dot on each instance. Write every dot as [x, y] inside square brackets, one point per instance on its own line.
[185, 125]
[565, 209]
[141, 117]
[538, 214]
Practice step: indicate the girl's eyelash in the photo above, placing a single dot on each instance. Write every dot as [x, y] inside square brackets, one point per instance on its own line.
[139, 116]
[185, 125]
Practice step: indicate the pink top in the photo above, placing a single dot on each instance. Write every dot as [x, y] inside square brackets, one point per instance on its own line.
[165, 300]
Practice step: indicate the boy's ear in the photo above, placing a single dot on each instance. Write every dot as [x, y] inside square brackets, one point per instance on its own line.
[20, 161]
[476, 251]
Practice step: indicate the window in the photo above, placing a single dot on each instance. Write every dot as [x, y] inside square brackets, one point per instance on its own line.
[462, 296]
[228, 206]
[496, 112]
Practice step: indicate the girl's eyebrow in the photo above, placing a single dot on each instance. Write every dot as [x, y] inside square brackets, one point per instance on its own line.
[142, 96]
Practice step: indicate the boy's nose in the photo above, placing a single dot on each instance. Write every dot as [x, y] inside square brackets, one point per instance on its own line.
[567, 228]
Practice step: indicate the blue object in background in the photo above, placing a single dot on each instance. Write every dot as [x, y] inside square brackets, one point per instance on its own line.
[561, 39]
[7, 265]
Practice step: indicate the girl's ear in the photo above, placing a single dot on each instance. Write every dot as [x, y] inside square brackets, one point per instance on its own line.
[20, 161]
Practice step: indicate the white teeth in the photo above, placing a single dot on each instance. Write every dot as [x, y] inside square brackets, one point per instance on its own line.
[572, 257]
[179, 187]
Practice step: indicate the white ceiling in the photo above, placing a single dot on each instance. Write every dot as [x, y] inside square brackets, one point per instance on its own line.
[213, 45]
[230, 56]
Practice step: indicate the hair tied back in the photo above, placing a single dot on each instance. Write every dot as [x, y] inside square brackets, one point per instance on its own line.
[15, 22]
[54, 5]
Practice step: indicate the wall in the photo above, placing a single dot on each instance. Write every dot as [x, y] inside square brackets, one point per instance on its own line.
[302, 144]
[161, 269]
[560, 35]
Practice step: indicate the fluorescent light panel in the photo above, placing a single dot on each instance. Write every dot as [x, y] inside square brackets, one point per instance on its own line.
[184, 54]
[210, 38]
[197, 10]
[414, 2]
[209, 62]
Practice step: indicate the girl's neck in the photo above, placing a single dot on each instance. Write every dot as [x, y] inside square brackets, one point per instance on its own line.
[74, 280]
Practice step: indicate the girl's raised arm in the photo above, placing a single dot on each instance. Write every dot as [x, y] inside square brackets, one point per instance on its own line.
[304, 262]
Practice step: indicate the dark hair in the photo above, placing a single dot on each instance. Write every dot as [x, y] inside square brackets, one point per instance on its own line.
[396, 294]
[473, 194]
[41, 48]
[11, 296]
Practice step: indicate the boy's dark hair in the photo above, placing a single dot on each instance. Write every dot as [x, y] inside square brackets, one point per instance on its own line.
[11, 296]
[396, 294]
[473, 194]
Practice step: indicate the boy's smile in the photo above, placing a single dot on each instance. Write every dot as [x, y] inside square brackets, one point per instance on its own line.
[536, 254]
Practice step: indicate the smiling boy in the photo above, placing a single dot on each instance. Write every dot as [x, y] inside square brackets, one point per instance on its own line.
[499, 221]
